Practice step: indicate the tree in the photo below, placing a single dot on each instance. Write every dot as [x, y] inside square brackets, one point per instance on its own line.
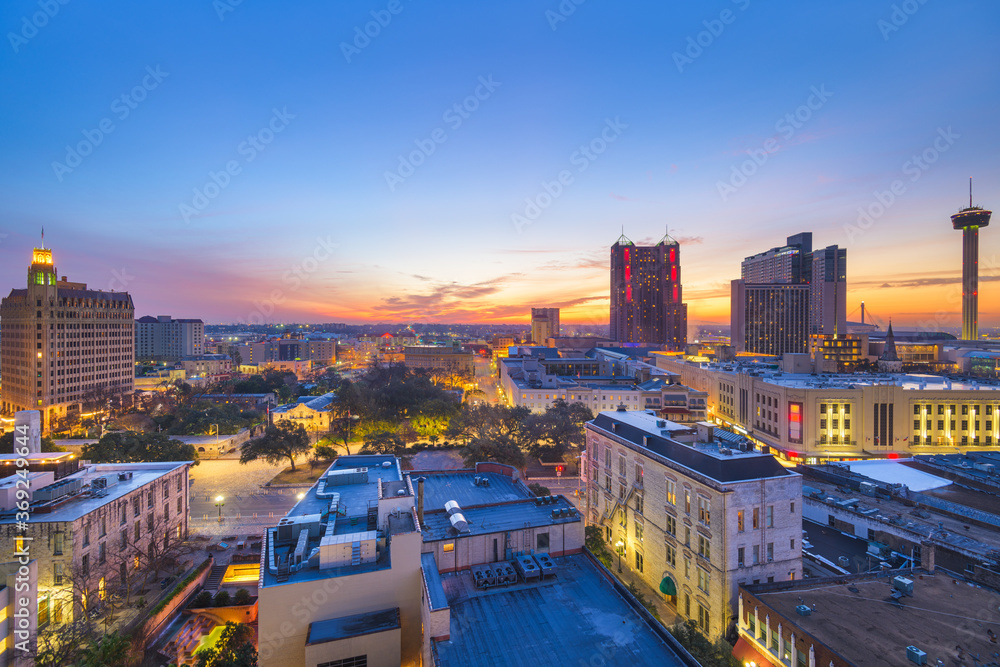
[384, 442]
[561, 426]
[242, 597]
[130, 446]
[708, 654]
[280, 441]
[7, 443]
[235, 356]
[234, 649]
[324, 452]
[538, 489]
[110, 649]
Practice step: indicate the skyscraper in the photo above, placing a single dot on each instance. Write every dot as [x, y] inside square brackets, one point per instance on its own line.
[62, 344]
[788, 293]
[969, 220]
[544, 324]
[164, 338]
[646, 299]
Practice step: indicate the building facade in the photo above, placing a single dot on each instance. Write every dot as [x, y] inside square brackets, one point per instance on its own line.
[692, 512]
[544, 324]
[647, 304]
[166, 339]
[811, 417]
[62, 344]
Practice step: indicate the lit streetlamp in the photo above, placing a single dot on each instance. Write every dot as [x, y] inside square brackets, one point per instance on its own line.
[220, 505]
[620, 544]
[301, 495]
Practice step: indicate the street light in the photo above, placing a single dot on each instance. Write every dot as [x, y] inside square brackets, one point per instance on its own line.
[620, 544]
[220, 505]
[216, 432]
[301, 496]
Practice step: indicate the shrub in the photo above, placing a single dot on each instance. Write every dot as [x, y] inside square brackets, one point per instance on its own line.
[242, 597]
[201, 600]
[222, 599]
[538, 489]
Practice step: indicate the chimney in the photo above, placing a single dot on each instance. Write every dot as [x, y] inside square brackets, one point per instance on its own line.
[420, 500]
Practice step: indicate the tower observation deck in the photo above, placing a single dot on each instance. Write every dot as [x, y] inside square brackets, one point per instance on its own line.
[969, 220]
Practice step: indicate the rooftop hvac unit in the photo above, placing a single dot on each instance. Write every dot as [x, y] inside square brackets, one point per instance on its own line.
[903, 585]
[452, 507]
[916, 656]
[386, 464]
[124, 476]
[458, 522]
[803, 610]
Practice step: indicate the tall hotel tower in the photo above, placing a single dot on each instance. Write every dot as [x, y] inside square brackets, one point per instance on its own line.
[969, 220]
[647, 305]
[62, 344]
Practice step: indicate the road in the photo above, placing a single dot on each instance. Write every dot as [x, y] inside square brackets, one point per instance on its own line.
[486, 380]
[248, 508]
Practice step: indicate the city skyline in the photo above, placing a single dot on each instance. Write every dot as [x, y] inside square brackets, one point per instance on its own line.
[316, 217]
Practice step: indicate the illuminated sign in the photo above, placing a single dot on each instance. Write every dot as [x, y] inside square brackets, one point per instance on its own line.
[795, 422]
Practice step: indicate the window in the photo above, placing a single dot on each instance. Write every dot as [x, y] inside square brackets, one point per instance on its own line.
[791, 544]
[58, 574]
[102, 555]
[739, 521]
[180, 484]
[671, 492]
[687, 566]
[58, 541]
[638, 473]
[916, 409]
[756, 518]
[687, 501]
[638, 532]
[542, 541]
[671, 525]
[356, 661]
[740, 557]
[704, 547]
[847, 423]
[124, 538]
[449, 547]
[671, 556]
[607, 457]
[135, 505]
[180, 506]
[124, 513]
[621, 465]
[769, 516]
[638, 504]
[792, 510]
[85, 564]
[703, 621]
[703, 579]
[638, 561]
[704, 510]
[86, 535]
[770, 551]
[756, 554]
[138, 532]
[687, 535]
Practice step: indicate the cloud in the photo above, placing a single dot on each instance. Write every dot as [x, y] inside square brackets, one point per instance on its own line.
[620, 197]
[689, 240]
[444, 299]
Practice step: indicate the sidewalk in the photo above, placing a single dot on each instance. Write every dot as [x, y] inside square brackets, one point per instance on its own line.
[668, 615]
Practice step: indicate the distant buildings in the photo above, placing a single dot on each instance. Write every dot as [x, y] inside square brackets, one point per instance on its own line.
[693, 511]
[165, 339]
[806, 417]
[786, 294]
[289, 348]
[544, 324]
[450, 360]
[647, 306]
[62, 344]
[312, 412]
[89, 526]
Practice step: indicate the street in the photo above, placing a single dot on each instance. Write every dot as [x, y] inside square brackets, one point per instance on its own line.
[486, 380]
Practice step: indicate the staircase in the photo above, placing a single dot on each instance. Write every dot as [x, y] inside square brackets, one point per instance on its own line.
[282, 574]
[215, 577]
[373, 517]
[356, 553]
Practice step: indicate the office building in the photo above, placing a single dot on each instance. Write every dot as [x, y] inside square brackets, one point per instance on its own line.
[166, 339]
[787, 294]
[289, 348]
[693, 511]
[62, 344]
[449, 360]
[647, 305]
[544, 324]
[808, 417]
[969, 220]
[89, 526]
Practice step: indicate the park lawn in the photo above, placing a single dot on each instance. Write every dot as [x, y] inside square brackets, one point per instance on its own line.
[304, 474]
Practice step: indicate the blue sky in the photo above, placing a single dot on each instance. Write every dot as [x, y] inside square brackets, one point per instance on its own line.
[444, 243]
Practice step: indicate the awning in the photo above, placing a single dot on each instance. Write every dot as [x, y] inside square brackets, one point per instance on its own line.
[749, 656]
[667, 586]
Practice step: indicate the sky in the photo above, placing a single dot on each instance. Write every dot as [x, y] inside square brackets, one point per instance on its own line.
[403, 161]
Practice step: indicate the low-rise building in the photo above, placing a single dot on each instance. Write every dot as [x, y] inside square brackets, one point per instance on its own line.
[91, 529]
[312, 412]
[694, 512]
[206, 364]
[811, 417]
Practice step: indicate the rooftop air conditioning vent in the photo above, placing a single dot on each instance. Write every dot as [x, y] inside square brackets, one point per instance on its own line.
[803, 610]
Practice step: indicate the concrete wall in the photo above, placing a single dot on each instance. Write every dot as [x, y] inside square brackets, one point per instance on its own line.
[288, 609]
[382, 649]
[565, 538]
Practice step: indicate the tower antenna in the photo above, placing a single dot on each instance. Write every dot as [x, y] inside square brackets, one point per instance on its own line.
[970, 191]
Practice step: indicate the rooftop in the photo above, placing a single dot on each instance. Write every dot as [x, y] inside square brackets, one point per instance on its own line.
[317, 403]
[517, 515]
[860, 621]
[86, 498]
[720, 459]
[460, 486]
[575, 618]
[354, 497]
[353, 626]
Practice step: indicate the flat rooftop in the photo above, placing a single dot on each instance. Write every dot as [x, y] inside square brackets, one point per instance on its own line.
[517, 515]
[460, 486]
[861, 622]
[74, 506]
[358, 625]
[575, 618]
[354, 498]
